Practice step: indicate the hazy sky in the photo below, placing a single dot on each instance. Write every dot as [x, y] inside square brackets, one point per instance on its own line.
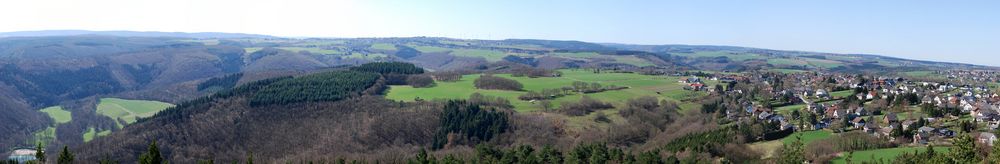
[956, 31]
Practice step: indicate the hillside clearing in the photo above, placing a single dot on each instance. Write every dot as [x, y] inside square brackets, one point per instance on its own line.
[129, 110]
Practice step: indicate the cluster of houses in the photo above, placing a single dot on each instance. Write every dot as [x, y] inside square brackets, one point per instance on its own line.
[978, 101]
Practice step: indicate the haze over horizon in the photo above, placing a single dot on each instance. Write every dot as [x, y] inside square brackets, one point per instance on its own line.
[924, 30]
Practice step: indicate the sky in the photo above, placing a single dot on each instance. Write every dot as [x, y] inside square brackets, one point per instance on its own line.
[952, 31]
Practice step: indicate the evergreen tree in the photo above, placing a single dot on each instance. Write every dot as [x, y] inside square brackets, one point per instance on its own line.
[250, 158]
[152, 156]
[994, 153]
[40, 153]
[793, 153]
[548, 154]
[964, 150]
[65, 157]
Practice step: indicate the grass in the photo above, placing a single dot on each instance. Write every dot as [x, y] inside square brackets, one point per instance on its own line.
[769, 148]
[490, 55]
[577, 55]
[632, 60]
[364, 56]
[842, 94]
[821, 63]
[640, 85]
[93, 133]
[129, 110]
[430, 49]
[784, 61]
[44, 136]
[58, 114]
[730, 55]
[384, 46]
[311, 50]
[250, 50]
[788, 70]
[919, 73]
[807, 136]
[789, 108]
[886, 155]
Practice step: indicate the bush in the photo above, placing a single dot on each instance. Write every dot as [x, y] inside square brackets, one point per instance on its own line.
[499, 83]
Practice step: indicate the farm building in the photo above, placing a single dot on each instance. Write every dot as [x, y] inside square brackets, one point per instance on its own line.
[22, 155]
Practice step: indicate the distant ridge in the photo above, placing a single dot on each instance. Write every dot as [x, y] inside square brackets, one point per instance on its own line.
[198, 35]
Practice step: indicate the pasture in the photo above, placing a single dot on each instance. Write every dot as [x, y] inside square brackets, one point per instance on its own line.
[639, 85]
[886, 155]
[58, 114]
[129, 110]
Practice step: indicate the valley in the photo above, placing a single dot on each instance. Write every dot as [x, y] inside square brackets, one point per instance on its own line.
[461, 98]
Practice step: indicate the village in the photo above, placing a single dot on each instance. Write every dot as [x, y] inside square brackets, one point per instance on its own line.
[896, 109]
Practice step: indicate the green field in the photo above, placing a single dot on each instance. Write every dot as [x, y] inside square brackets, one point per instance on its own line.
[842, 94]
[784, 61]
[311, 50]
[490, 55]
[129, 110]
[58, 114]
[821, 63]
[252, 49]
[364, 56]
[93, 133]
[383, 46]
[918, 73]
[429, 49]
[884, 154]
[789, 108]
[787, 70]
[640, 85]
[576, 55]
[807, 136]
[730, 55]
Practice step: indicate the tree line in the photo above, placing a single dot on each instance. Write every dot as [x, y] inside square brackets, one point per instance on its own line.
[488, 81]
[227, 81]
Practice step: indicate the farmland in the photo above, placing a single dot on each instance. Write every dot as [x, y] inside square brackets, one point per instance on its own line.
[59, 116]
[885, 155]
[639, 85]
[129, 110]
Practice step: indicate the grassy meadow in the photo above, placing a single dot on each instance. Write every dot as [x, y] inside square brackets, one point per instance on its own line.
[886, 155]
[640, 85]
[129, 110]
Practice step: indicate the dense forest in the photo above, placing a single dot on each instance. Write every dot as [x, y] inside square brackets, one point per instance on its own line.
[329, 86]
[224, 82]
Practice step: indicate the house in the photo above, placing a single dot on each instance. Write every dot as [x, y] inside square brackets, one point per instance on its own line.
[22, 155]
[821, 93]
[920, 138]
[925, 129]
[871, 129]
[860, 111]
[986, 138]
[945, 132]
[858, 122]
[890, 118]
[906, 124]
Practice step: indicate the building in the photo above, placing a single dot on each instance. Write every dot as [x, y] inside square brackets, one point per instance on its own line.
[22, 155]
